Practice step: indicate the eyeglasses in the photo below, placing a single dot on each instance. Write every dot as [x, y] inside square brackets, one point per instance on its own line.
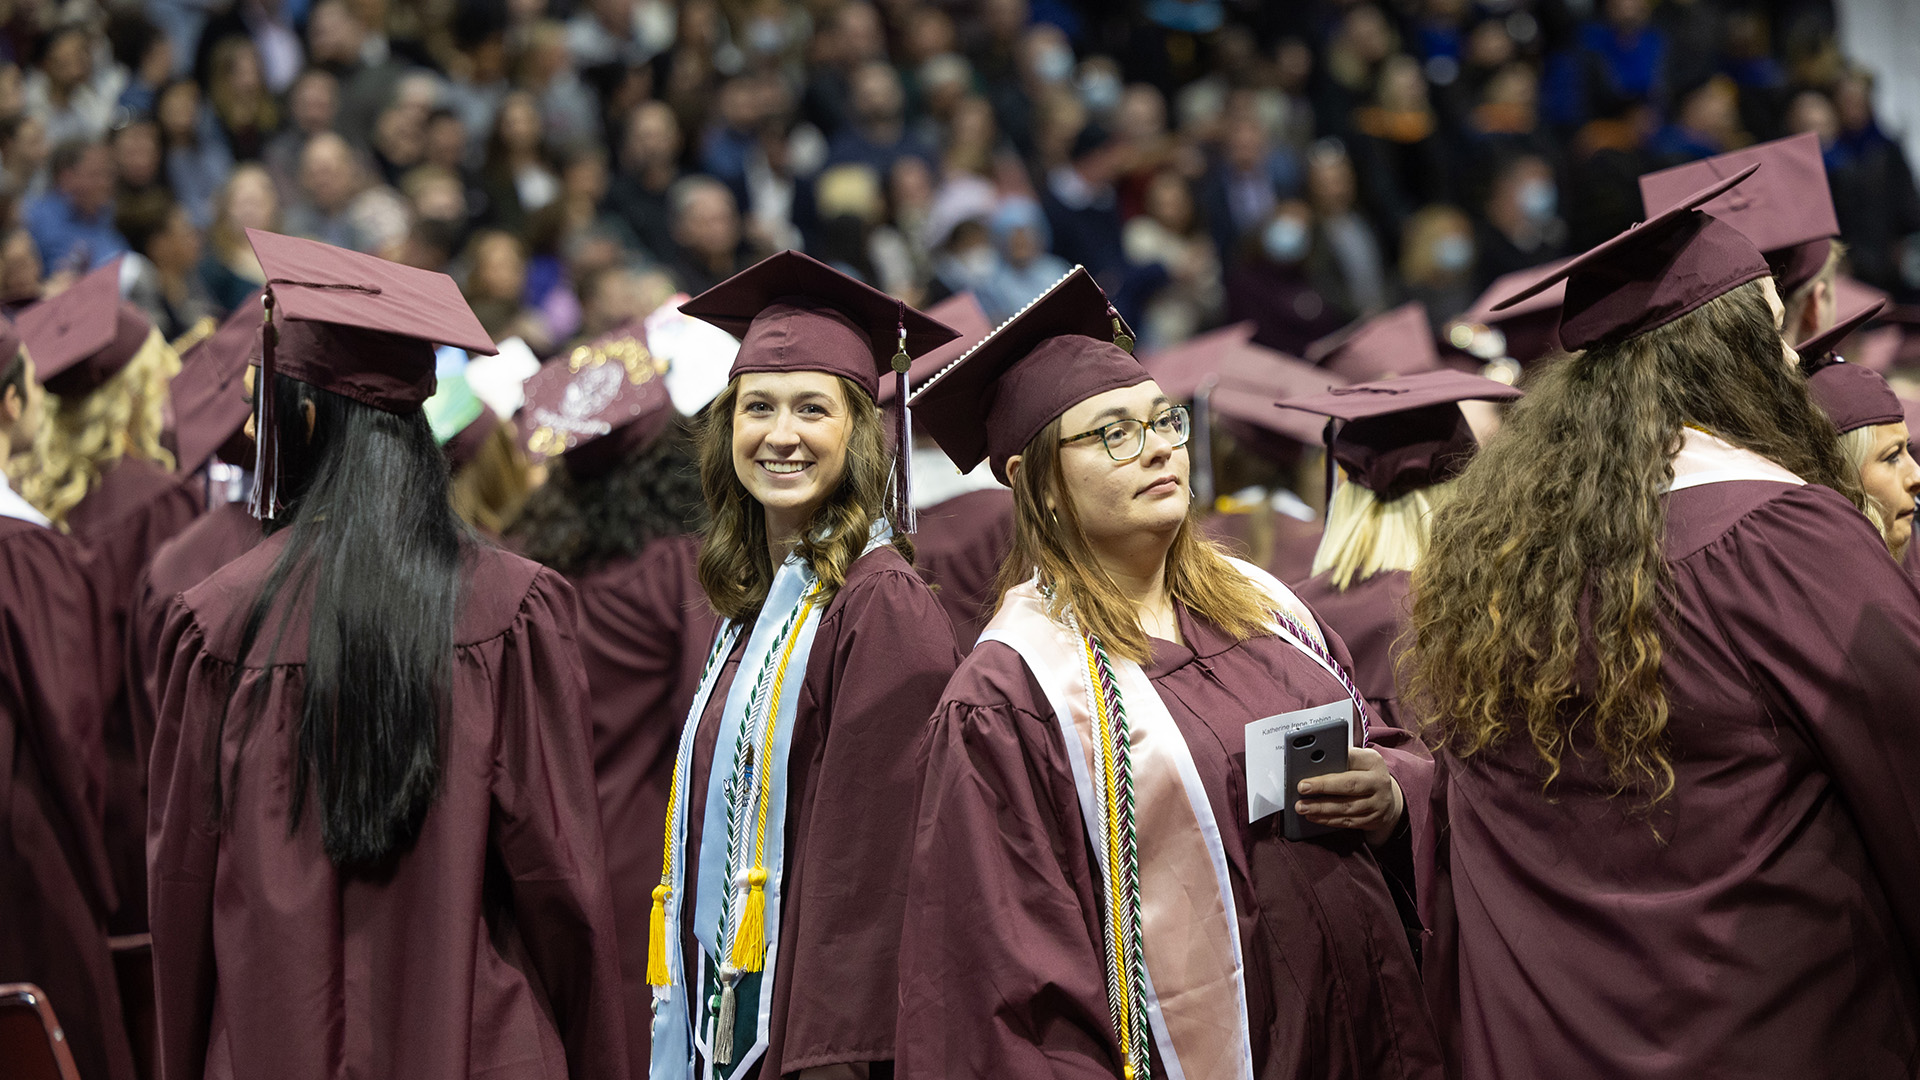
[1127, 439]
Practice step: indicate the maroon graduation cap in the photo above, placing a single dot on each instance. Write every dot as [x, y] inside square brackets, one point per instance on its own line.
[598, 403]
[1652, 273]
[209, 399]
[1786, 209]
[1252, 378]
[354, 325]
[1182, 369]
[1854, 396]
[963, 313]
[1400, 435]
[1532, 326]
[793, 312]
[85, 336]
[1818, 349]
[1399, 342]
[1055, 353]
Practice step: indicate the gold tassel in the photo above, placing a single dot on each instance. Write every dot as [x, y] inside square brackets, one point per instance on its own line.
[723, 1024]
[750, 942]
[1120, 335]
[657, 939]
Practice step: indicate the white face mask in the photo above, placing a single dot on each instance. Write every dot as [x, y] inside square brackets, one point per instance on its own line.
[1539, 200]
[1453, 253]
[1053, 64]
[1100, 91]
[766, 36]
[1285, 240]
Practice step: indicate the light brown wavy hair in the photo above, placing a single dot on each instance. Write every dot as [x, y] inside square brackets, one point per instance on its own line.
[83, 436]
[1052, 543]
[735, 568]
[1538, 610]
[489, 491]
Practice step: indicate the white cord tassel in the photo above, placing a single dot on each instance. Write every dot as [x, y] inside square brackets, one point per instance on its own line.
[729, 1010]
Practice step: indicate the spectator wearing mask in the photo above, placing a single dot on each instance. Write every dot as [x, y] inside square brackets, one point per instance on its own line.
[73, 223]
[1170, 234]
[1271, 283]
[1436, 261]
[1245, 184]
[1521, 227]
[1026, 267]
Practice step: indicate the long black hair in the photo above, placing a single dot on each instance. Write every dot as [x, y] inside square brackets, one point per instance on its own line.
[574, 524]
[374, 543]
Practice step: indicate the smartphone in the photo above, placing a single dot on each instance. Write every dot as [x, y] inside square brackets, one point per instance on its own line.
[1315, 749]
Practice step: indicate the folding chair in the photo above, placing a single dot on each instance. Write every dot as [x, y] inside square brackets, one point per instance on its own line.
[32, 1044]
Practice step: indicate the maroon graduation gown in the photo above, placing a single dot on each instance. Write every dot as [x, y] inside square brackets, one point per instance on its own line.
[56, 890]
[488, 948]
[882, 654]
[1370, 616]
[137, 507]
[1002, 970]
[1293, 541]
[1911, 561]
[220, 536]
[959, 547]
[645, 629]
[1770, 927]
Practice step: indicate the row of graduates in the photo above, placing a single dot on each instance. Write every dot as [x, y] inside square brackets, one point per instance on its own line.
[1020, 886]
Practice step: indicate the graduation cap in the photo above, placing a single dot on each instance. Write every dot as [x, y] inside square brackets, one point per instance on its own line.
[1400, 435]
[1854, 396]
[1063, 348]
[1399, 342]
[1532, 326]
[598, 403]
[1653, 273]
[1786, 209]
[1252, 378]
[960, 311]
[209, 399]
[85, 336]
[792, 312]
[1182, 369]
[351, 324]
[1817, 350]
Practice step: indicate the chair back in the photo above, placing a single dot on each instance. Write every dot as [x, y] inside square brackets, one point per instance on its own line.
[32, 1044]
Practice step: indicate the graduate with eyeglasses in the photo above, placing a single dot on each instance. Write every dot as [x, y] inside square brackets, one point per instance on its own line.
[1093, 891]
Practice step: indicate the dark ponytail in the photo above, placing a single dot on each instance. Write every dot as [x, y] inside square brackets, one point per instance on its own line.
[374, 542]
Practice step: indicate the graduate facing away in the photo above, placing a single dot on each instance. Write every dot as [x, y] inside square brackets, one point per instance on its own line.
[374, 846]
[1088, 896]
[1669, 666]
[775, 932]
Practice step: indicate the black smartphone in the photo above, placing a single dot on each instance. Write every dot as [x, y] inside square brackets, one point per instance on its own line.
[1316, 749]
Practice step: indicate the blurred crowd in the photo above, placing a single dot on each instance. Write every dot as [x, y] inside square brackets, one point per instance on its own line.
[572, 163]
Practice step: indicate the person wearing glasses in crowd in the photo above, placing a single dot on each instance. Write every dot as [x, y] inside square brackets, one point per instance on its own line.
[775, 929]
[1088, 896]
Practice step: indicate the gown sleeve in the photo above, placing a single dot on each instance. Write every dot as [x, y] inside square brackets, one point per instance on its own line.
[892, 654]
[1001, 967]
[546, 828]
[1830, 629]
[182, 846]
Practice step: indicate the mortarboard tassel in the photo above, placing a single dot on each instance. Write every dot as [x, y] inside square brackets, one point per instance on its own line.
[1120, 335]
[903, 514]
[265, 500]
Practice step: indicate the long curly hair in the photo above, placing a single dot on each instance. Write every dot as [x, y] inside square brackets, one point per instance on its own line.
[1053, 545]
[85, 435]
[736, 569]
[576, 524]
[1538, 610]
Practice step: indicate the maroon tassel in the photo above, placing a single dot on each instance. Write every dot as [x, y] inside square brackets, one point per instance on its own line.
[902, 494]
[265, 501]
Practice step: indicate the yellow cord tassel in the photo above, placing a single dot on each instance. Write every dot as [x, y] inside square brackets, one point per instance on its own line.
[657, 939]
[750, 942]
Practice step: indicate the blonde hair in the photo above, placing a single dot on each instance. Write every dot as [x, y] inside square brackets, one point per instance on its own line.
[1367, 535]
[85, 435]
[1052, 544]
[1857, 447]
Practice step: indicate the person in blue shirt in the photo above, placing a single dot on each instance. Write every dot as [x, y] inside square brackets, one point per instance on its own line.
[72, 223]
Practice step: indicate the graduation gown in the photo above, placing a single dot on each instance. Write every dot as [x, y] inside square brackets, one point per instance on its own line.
[487, 948]
[1002, 970]
[645, 628]
[881, 656]
[959, 548]
[220, 536]
[1762, 920]
[137, 507]
[56, 890]
[1370, 616]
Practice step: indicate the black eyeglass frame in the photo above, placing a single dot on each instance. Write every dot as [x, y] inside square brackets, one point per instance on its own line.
[1140, 441]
